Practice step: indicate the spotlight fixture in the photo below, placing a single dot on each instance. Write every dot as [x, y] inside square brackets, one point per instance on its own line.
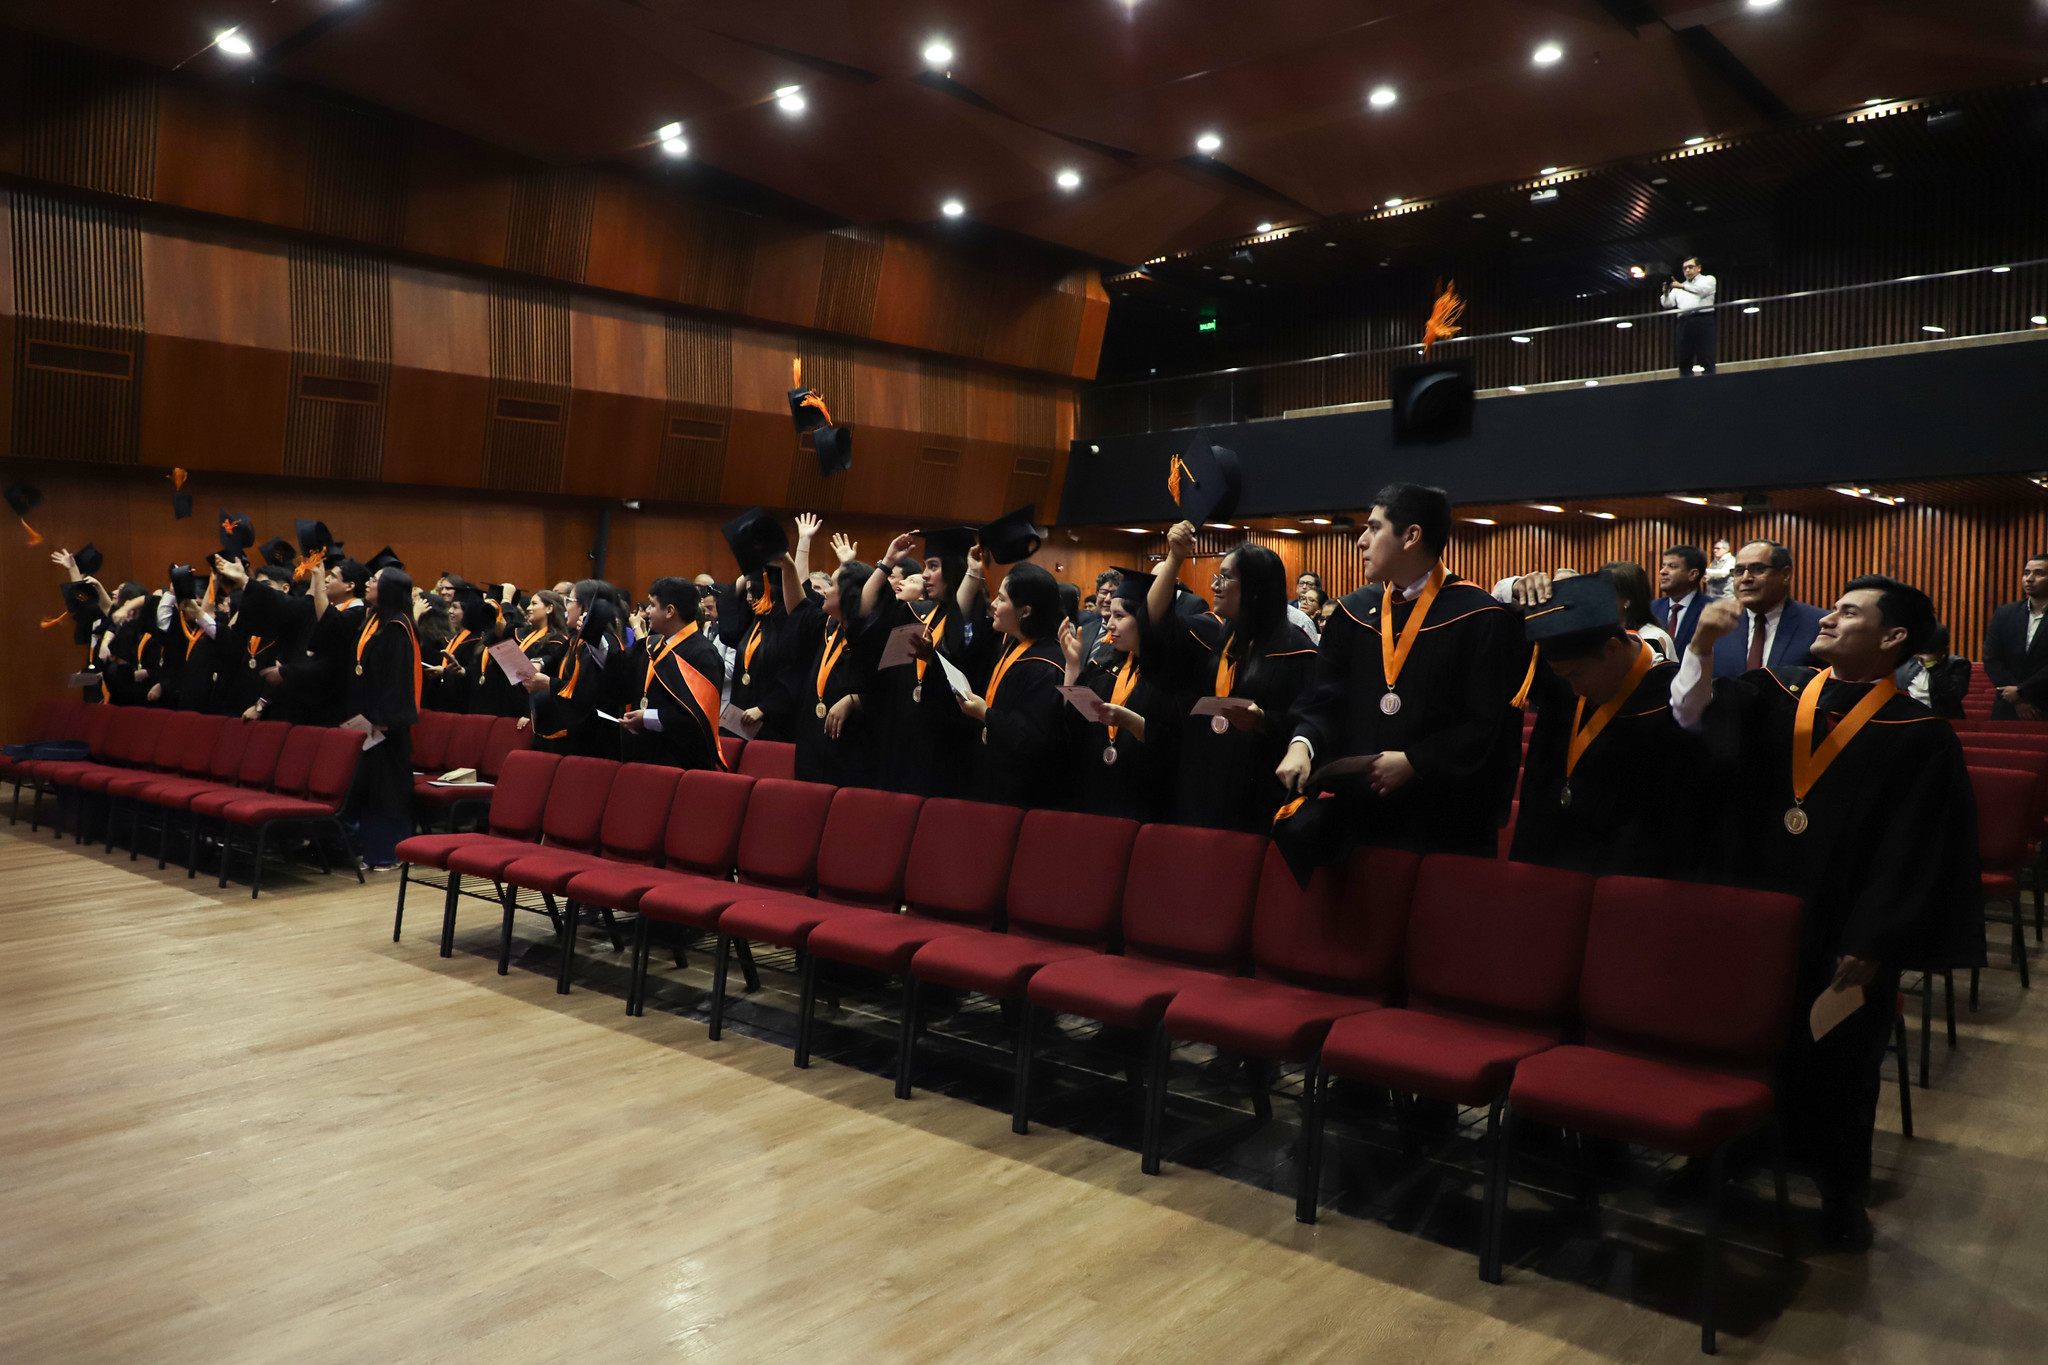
[1548, 170]
[952, 208]
[1623, 326]
[1592, 383]
[1546, 507]
[1694, 141]
[1480, 521]
[1209, 144]
[2001, 270]
[1396, 202]
[1287, 530]
[2039, 320]
[1521, 341]
[1518, 388]
[1382, 98]
[1546, 54]
[938, 56]
[1137, 530]
[1068, 180]
[231, 41]
[1687, 497]
[668, 131]
[1478, 215]
[1930, 327]
[1219, 526]
[1752, 309]
[1868, 103]
[670, 135]
[790, 99]
[1636, 272]
[1604, 516]
[1763, 4]
[1265, 227]
[1318, 521]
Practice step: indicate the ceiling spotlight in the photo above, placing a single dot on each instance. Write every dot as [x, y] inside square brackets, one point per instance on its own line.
[1480, 521]
[231, 41]
[2039, 320]
[1636, 272]
[938, 56]
[1546, 54]
[1382, 98]
[1478, 215]
[1694, 141]
[952, 208]
[1868, 103]
[1395, 203]
[1623, 326]
[1930, 327]
[1550, 170]
[675, 146]
[1752, 309]
[1520, 341]
[1265, 227]
[1329, 244]
[1137, 530]
[1546, 507]
[1763, 4]
[1592, 383]
[790, 99]
[1068, 180]
[1219, 526]
[1660, 180]
[1604, 516]
[1318, 521]
[1518, 388]
[1687, 497]
[1288, 530]
[668, 131]
[1209, 143]
[2001, 270]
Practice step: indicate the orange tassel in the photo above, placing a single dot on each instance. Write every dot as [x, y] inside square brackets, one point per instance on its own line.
[1443, 316]
[307, 565]
[178, 477]
[1173, 479]
[35, 537]
[53, 620]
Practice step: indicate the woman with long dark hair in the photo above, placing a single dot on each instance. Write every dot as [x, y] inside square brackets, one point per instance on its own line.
[921, 740]
[544, 640]
[384, 689]
[1126, 762]
[589, 677]
[833, 657]
[1632, 595]
[765, 688]
[1246, 655]
[1018, 753]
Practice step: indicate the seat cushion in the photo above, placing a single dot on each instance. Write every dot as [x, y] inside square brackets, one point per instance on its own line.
[1126, 992]
[257, 808]
[879, 940]
[550, 870]
[488, 859]
[1268, 1019]
[994, 964]
[432, 850]
[619, 886]
[423, 790]
[2000, 886]
[96, 779]
[1442, 1057]
[70, 774]
[1674, 1108]
[175, 792]
[697, 901]
[785, 920]
[214, 804]
[130, 786]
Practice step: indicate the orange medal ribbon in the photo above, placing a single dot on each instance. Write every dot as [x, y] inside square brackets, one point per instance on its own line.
[370, 629]
[1584, 734]
[833, 649]
[662, 651]
[1226, 674]
[996, 680]
[1394, 656]
[1125, 681]
[1521, 700]
[1809, 762]
[934, 631]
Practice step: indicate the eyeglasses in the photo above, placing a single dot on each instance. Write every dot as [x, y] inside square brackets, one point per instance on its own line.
[1219, 578]
[1751, 570]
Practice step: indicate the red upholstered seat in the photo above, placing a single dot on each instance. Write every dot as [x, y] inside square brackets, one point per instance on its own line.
[1444, 1056]
[958, 871]
[429, 741]
[516, 815]
[1000, 965]
[315, 769]
[1268, 1019]
[261, 749]
[768, 758]
[1128, 992]
[569, 821]
[860, 864]
[701, 841]
[257, 809]
[2008, 817]
[635, 815]
[1653, 1103]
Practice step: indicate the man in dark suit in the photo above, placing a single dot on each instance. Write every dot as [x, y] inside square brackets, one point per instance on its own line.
[1095, 621]
[1776, 632]
[1682, 592]
[1936, 677]
[2016, 649]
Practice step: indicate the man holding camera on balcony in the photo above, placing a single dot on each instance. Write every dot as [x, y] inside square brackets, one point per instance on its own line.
[1693, 297]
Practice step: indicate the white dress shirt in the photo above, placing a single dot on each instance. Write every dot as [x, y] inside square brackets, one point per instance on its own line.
[1679, 606]
[1409, 592]
[2035, 611]
[1695, 295]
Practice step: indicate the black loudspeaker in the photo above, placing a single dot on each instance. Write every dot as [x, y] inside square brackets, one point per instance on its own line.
[1432, 401]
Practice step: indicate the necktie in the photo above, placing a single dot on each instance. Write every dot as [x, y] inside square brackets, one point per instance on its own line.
[1756, 639]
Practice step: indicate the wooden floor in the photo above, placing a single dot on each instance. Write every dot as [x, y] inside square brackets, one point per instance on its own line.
[262, 1132]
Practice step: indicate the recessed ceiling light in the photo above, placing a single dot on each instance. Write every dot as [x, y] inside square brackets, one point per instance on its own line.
[1518, 388]
[1550, 170]
[1763, 4]
[1624, 326]
[2001, 270]
[938, 56]
[1383, 97]
[1604, 516]
[790, 99]
[675, 146]
[1694, 141]
[1318, 521]
[1137, 530]
[1868, 103]
[1592, 383]
[1546, 507]
[1660, 180]
[1396, 203]
[231, 41]
[1329, 244]
[1520, 341]
[1481, 521]
[1219, 526]
[1546, 54]
[1930, 327]
[1478, 215]
[2039, 320]
[1288, 530]
[952, 208]
[1854, 142]
[1226, 277]
[1687, 497]
[667, 131]
[1752, 309]
[1209, 143]
[1699, 208]
[1265, 227]
[1068, 180]
[1636, 272]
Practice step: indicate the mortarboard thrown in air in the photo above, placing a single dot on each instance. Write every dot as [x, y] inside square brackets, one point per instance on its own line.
[1204, 480]
[1012, 537]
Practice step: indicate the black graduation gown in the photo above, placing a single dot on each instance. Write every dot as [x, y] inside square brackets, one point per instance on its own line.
[565, 718]
[1140, 784]
[383, 695]
[313, 688]
[545, 648]
[1641, 799]
[192, 659]
[124, 658]
[923, 741]
[1457, 723]
[1226, 781]
[454, 691]
[1018, 751]
[769, 678]
[688, 737]
[285, 623]
[849, 760]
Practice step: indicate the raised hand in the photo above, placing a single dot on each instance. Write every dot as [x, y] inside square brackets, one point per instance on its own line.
[842, 548]
[807, 525]
[1180, 540]
[899, 548]
[1720, 616]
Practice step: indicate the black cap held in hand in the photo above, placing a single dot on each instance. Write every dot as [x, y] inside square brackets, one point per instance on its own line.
[756, 539]
[1012, 537]
[89, 559]
[1205, 480]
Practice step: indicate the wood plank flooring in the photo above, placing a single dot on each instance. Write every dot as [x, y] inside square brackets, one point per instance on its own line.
[236, 1131]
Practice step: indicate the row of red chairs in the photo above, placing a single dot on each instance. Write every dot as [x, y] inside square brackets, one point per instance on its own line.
[1644, 1011]
[258, 778]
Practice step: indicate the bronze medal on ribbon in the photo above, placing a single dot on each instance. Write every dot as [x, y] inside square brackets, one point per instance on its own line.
[917, 692]
[252, 661]
[1564, 798]
[359, 670]
[821, 710]
[984, 734]
[1109, 754]
[1219, 725]
[1390, 704]
[747, 679]
[1796, 821]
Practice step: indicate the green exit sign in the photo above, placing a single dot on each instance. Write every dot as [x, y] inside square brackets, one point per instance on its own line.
[1206, 325]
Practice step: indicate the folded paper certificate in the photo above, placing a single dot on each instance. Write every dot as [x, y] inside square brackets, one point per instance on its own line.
[735, 720]
[1085, 701]
[1832, 1008]
[1216, 706]
[512, 659]
[372, 736]
[896, 652]
[606, 715]
[955, 679]
[85, 679]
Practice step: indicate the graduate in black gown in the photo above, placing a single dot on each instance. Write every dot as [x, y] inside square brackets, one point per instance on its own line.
[1127, 763]
[1016, 735]
[544, 640]
[674, 718]
[589, 678]
[1851, 795]
[272, 624]
[384, 689]
[1426, 698]
[835, 656]
[454, 677]
[313, 688]
[922, 740]
[1609, 775]
[754, 624]
[1245, 649]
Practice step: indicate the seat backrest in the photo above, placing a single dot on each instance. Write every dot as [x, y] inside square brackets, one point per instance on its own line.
[960, 857]
[768, 758]
[866, 845]
[1689, 971]
[202, 736]
[730, 746]
[1188, 895]
[131, 739]
[295, 759]
[43, 724]
[505, 738]
[521, 796]
[2006, 816]
[468, 737]
[67, 719]
[334, 764]
[779, 841]
[429, 740]
[1500, 940]
[259, 752]
[98, 720]
[704, 822]
[171, 738]
[636, 812]
[1067, 877]
[1343, 931]
[228, 746]
[576, 798]
[1988, 738]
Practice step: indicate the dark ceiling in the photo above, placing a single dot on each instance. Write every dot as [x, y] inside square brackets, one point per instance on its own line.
[1116, 90]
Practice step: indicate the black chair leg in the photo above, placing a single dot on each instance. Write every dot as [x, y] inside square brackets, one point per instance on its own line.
[256, 862]
[508, 897]
[636, 989]
[1489, 1259]
[404, 880]
[1504, 1156]
[1020, 1082]
[1905, 1086]
[1926, 1026]
[1262, 1087]
[192, 850]
[2019, 942]
[1717, 1176]
[448, 915]
[572, 913]
[807, 999]
[1308, 1175]
[906, 1039]
[1973, 990]
[227, 848]
[1776, 1137]
[721, 956]
[1948, 991]
[749, 973]
[1155, 1096]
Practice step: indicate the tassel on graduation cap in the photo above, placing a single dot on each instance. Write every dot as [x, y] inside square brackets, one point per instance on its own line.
[181, 501]
[1443, 315]
[23, 498]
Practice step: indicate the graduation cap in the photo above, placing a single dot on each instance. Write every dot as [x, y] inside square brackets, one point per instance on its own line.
[386, 558]
[270, 612]
[1134, 585]
[1011, 537]
[89, 559]
[1432, 401]
[314, 537]
[1582, 614]
[82, 601]
[479, 613]
[237, 533]
[1204, 480]
[23, 498]
[1309, 832]
[835, 449]
[277, 551]
[598, 621]
[756, 539]
[948, 542]
[181, 501]
[184, 583]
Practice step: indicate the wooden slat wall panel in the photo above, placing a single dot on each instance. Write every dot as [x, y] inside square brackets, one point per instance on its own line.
[698, 417]
[548, 229]
[78, 283]
[851, 279]
[341, 330]
[529, 364]
[87, 122]
[357, 162]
